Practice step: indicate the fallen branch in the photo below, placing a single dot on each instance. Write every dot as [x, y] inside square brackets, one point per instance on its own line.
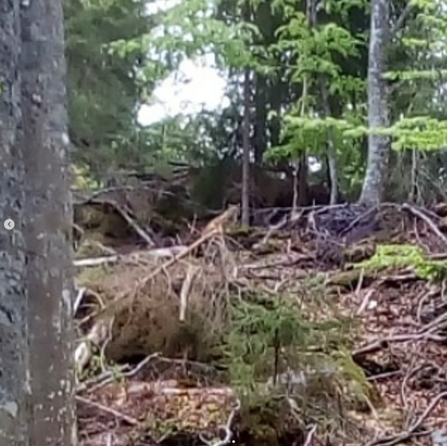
[132, 257]
[215, 227]
[427, 220]
[108, 410]
[390, 440]
[129, 220]
[379, 344]
[110, 375]
[227, 429]
[78, 299]
[310, 435]
[186, 290]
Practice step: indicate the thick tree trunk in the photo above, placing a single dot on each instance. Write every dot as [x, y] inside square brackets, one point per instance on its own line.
[48, 215]
[14, 353]
[378, 106]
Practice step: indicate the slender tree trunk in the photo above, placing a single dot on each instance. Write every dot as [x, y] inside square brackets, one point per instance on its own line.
[301, 170]
[325, 110]
[378, 106]
[246, 131]
[331, 150]
[301, 190]
[14, 352]
[260, 118]
[246, 152]
[48, 216]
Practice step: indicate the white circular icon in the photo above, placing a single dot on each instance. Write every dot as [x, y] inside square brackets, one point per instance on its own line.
[9, 224]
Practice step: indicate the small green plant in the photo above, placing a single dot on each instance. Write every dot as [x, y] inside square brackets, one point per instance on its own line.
[287, 359]
[265, 340]
[387, 256]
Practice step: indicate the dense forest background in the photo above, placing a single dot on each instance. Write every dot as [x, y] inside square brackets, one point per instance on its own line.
[321, 79]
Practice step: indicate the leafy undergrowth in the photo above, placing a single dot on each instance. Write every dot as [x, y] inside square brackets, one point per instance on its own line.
[277, 346]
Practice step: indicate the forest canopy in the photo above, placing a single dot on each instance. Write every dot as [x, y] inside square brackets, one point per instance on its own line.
[302, 72]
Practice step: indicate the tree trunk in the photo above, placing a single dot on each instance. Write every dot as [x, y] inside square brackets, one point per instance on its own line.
[246, 152]
[14, 383]
[260, 118]
[378, 106]
[48, 216]
[325, 111]
[331, 150]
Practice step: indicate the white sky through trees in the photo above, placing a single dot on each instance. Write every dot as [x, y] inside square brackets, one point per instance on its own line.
[196, 85]
[193, 87]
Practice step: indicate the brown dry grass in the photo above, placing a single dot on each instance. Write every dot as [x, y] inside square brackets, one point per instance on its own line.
[146, 317]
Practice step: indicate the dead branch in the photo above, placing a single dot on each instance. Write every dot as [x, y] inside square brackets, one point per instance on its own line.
[129, 220]
[83, 351]
[227, 429]
[310, 435]
[222, 221]
[108, 410]
[186, 289]
[78, 299]
[390, 440]
[430, 223]
[132, 257]
[214, 227]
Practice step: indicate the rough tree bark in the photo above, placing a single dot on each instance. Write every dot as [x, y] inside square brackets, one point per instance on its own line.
[14, 371]
[48, 221]
[378, 105]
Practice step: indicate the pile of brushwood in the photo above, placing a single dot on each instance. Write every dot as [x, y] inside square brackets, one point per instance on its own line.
[325, 327]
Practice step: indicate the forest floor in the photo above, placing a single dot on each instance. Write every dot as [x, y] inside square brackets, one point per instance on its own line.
[388, 282]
